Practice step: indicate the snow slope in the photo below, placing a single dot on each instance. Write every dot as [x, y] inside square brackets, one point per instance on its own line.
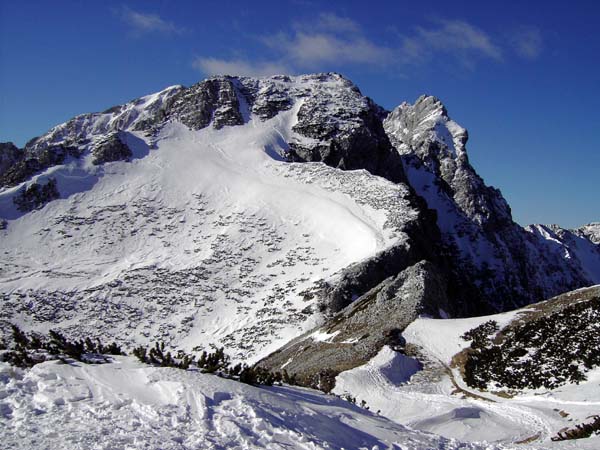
[127, 405]
[205, 237]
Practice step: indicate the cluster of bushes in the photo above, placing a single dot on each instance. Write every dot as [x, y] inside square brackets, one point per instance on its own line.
[545, 352]
[216, 362]
[157, 356]
[324, 380]
[584, 430]
[28, 350]
[481, 334]
[36, 195]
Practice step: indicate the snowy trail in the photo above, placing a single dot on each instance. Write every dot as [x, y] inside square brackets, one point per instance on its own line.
[437, 410]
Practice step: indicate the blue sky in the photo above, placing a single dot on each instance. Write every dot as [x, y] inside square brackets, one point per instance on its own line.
[522, 77]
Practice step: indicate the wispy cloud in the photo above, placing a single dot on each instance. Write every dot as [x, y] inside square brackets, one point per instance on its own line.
[331, 42]
[527, 42]
[308, 50]
[142, 23]
[334, 23]
[216, 66]
[454, 38]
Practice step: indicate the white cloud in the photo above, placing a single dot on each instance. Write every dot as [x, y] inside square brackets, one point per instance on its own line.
[453, 37]
[308, 50]
[527, 42]
[146, 23]
[334, 23]
[216, 66]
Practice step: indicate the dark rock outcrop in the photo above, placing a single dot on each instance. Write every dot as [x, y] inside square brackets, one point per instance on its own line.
[9, 155]
[211, 101]
[112, 148]
[32, 163]
[36, 195]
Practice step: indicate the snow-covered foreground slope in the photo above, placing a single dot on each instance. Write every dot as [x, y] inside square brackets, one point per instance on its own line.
[437, 399]
[127, 405]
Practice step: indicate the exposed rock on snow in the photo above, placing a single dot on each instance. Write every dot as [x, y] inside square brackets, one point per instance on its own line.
[111, 148]
[360, 330]
[9, 155]
[35, 195]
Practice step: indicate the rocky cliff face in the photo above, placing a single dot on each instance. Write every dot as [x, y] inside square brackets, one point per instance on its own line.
[443, 241]
[429, 141]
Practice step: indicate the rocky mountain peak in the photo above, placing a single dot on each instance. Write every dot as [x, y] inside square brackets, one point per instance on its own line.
[324, 118]
[430, 141]
[426, 129]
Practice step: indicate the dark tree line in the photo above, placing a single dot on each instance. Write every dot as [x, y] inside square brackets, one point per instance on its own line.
[215, 362]
[26, 350]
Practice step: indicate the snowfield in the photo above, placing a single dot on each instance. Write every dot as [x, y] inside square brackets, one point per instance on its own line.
[127, 405]
[204, 238]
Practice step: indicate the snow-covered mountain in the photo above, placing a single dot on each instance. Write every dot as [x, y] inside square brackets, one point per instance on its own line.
[299, 225]
[244, 212]
[201, 234]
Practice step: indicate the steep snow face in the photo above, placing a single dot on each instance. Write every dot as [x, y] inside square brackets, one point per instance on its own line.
[204, 238]
[126, 405]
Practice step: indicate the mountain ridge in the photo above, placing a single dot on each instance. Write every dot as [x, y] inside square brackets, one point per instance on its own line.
[160, 196]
